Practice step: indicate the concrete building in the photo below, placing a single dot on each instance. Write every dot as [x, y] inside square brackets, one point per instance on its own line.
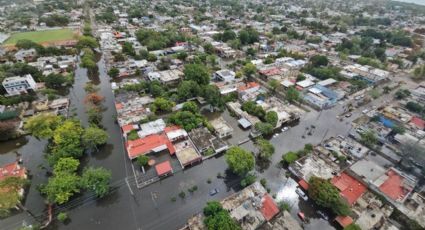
[168, 77]
[17, 85]
[221, 128]
[225, 75]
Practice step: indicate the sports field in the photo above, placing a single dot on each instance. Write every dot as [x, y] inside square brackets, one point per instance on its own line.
[42, 37]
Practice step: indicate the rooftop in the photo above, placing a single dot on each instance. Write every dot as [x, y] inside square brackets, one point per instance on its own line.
[350, 188]
[153, 143]
[163, 168]
[12, 170]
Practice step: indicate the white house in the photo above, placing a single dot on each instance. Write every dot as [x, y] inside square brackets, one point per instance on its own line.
[225, 75]
[17, 85]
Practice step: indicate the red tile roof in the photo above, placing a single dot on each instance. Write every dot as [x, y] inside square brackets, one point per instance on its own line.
[269, 208]
[351, 189]
[344, 221]
[127, 128]
[151, 143]
[12, 170]
[119, 106]
[163, 168]
[171, 128]
[248, 85]
[271, 71]
[303, 184]
[419, 123]
[394, 187]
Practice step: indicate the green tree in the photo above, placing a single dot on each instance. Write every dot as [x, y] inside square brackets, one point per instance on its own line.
[266, 149]
[186, 119]
[187, 90]
[94, 136]
[213, 96]
[62, 217]
[61, 187]
[271, 118]
[319, 60]
[249, 69]
[113, 72]
[239, 160]
[87, 42]
[292, 95]
[128, 49]
[10, 196]
[142, 160]
[290, 157]
[162, 105]
[327, 195]
[43, 125]
[264, 128]
[198, 73]
[96, 180]
[352, 227]
[66, 141]
[273, 83]
[369, 138]
[55, 80]
[217, 218]
[66, 165]
[191, 106]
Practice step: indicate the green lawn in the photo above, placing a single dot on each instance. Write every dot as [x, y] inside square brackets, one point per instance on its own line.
[41, 36]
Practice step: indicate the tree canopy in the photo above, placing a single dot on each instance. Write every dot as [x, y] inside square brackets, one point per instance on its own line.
[198, 73]
[327, 195]
[93, 137]
[96, 180]
[9, 194]
[217, 218]
[266, 149]
[239, 160]
[43, 125]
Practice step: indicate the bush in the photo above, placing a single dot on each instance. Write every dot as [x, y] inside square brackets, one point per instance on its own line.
[263, 182]
[248, 180]
[182, 194]
[142, 160]
[63, 216]
[283, 206]
[290, 157]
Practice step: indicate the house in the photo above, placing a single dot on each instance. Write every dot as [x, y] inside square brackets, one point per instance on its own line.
[12, 170]
[25, 55]
[187, 154]
[167, 77]
[202, 138]
[225, 75]
[252, 208]
[153, 127]
[175, 133]
[151, 144]
[221, 128]
[17, 85]
[350, 188]
[164, 169]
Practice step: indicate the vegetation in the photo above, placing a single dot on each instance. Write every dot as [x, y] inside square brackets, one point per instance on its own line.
[93, 137]
[248, 180]
[217, 218]
[10, 194]
[264, 128]
[45, 36]
[266, 149]
[327, 195]
[43, 125]
[142, 160]
[63, 216]
[253, 109]
[96, 180]
[239, 160]
[292, 95]
[197, 73]
[271, 118]
[289, 157]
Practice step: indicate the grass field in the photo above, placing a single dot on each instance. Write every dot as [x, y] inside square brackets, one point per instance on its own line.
[41, 37]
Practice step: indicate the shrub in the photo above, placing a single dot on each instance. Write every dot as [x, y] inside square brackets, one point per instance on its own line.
[63, 216]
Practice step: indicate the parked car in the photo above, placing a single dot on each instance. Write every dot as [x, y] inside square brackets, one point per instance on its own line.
[284, 129]
[348, 115]
[214, 191]
[323, 215]
[301, 194]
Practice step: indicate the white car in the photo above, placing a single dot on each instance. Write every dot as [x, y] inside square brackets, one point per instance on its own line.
[301, 194]
[284, 129]
[365, 111]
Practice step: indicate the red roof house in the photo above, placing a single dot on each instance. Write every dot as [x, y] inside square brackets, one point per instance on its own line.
[350, 188]
[12, 170]
[344, 221]
[152, 143]
[249, 86]
[269, 208]
[128, 128]
[418, 123]
[164, 168]
[396, 186]
[303, 184]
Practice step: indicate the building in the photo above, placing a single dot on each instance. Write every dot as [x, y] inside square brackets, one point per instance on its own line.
[225, 75]
[12, 170]
[25, 55]
[153, 127]
[151, 144]
[164, 169]
[252, 208]
[350, 188]
[17, 85]
[187, 154]
[167, 77]
[221, 128]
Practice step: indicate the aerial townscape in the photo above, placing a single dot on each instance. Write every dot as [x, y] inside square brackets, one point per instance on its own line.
[212, 114]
